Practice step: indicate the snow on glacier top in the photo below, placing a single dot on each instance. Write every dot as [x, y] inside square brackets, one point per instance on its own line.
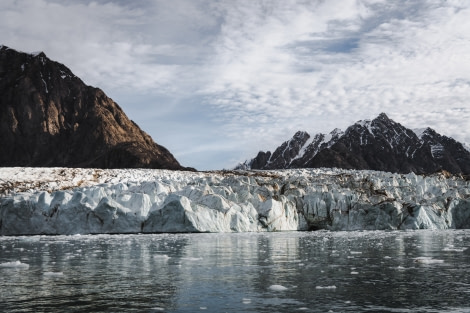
[31, 179]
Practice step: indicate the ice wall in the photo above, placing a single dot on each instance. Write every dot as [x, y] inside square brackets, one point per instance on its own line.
[83, 201]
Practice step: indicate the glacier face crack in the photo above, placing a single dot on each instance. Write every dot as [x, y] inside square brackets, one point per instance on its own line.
[154, 201]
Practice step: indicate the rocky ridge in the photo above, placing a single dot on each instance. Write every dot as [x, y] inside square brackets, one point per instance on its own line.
[379, 144]
[50, 117]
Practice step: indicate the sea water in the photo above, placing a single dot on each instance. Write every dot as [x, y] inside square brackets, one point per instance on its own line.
[377, 271]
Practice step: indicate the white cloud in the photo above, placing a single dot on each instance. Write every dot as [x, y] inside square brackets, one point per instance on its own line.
[407, 60]
[113, 45]
[248, 74]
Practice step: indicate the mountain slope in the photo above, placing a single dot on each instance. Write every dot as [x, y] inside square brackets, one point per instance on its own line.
[49, 117]
[380, 144]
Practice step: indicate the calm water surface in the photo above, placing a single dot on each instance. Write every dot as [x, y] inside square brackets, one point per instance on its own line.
[419, 271]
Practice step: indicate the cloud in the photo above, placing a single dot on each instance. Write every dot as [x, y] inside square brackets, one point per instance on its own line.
[215, 81]
[317, 67]
[114, 45]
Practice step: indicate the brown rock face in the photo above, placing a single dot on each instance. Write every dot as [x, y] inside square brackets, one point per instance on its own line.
[49, 117]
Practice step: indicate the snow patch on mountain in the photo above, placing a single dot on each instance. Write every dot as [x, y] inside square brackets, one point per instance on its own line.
[419, 132]
[304, 148]
[466, 146]
[333, 136]
[437, 151]
[366, 124]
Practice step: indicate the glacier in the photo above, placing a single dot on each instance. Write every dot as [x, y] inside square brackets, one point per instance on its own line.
[68, 201]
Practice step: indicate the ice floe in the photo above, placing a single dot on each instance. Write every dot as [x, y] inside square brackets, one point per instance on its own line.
[14, 264]
[53, 274]
[277, 288]
[427, 260]
[332, 287]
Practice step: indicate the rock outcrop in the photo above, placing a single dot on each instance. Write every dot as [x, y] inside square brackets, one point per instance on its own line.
[49, 117]
[380, 144]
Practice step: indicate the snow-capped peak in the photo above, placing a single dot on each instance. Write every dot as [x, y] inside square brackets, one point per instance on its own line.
[366, 124]
[363, 123]
[335, 134]
[419, 132]
[379, 144]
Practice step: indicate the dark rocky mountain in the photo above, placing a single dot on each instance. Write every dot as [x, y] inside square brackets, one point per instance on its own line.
[380, 144]
[49, 117]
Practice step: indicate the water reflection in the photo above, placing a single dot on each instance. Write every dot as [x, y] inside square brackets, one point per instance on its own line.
[422, 271]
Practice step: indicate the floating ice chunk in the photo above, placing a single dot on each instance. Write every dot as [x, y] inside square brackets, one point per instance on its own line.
[53, 274]
[277, 288]
[15, 264]
[191, 259]
[453, 250]
[326, 287]
[427, 260]
[163, 257]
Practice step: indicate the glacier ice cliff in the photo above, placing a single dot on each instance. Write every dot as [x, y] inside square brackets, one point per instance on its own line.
[86, 201]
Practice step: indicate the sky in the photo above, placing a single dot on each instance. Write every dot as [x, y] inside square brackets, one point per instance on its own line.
[217, 81]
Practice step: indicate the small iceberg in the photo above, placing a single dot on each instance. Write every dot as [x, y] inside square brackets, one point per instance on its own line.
[326, 287]
[277, 288]
[15, 264]
[163, 257]
[427, 260]
[53, 274]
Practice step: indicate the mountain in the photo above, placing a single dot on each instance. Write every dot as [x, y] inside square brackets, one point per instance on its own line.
[466, 146]
[49, 117]
[380, 144]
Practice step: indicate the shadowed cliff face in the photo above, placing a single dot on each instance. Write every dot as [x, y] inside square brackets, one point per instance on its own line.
[49, 117]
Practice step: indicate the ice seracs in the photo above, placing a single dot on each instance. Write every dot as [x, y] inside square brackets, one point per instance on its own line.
[87, 201]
